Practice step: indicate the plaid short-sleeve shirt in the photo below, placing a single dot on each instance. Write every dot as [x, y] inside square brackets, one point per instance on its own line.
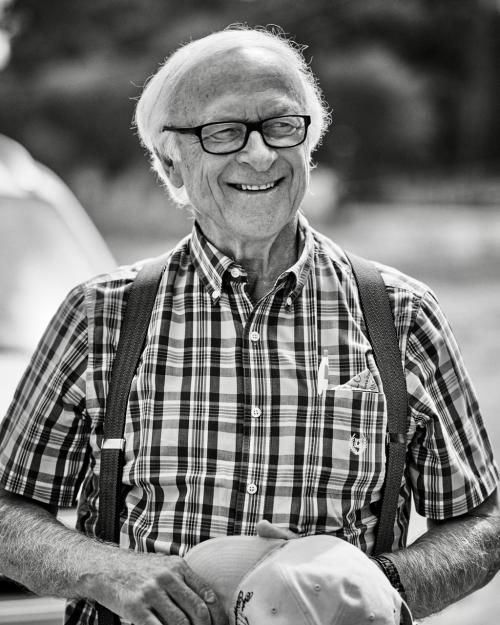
[225, 425]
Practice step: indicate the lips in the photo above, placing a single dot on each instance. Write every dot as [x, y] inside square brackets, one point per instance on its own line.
[255, 188]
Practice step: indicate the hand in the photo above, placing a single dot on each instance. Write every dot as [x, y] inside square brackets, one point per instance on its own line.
[265, 529]
[153, 589]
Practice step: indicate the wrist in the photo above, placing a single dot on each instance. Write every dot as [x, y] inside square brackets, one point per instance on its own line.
[390, 571]
[99, 567]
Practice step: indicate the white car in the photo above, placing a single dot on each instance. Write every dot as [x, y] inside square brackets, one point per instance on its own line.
[48, 244]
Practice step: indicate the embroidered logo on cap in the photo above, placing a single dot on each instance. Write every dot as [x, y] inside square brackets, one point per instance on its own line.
[241, 602]
[358, 444]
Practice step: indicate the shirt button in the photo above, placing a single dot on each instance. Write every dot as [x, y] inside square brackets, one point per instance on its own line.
[235, 272]
[288, 301]
[251, 489]
[254, 336]
[216, 294]
[255, 412]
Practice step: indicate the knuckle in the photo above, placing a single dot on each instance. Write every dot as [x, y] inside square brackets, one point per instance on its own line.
[148, 590]
[176, 562]
[165, 578]
[136, 615]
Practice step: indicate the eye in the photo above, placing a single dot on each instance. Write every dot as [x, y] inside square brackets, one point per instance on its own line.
[222, 133]
[282, 127]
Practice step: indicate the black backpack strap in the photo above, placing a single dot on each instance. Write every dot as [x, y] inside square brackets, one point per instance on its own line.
[382, 334]
[130, 346]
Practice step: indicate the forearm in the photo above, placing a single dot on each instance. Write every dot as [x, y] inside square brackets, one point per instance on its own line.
[44, 555]
[448, 562]
[50, 559]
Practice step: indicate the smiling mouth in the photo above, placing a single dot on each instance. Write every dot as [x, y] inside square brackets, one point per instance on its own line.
[255, 188]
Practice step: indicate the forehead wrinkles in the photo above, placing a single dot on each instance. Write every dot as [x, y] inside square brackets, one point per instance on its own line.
[227, 74]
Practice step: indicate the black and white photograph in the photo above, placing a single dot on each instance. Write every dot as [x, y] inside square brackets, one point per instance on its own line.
[249, 312]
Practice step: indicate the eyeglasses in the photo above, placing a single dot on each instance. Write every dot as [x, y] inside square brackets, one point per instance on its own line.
[285, 131]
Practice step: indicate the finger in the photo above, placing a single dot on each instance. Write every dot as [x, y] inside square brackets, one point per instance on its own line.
[189, 598]
[166, 611]
[150, 619]
[265, 529]
[155, 607]
[216, 610]
[146, 617]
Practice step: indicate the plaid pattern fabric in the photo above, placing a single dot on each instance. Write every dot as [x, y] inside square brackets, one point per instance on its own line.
[225, 425]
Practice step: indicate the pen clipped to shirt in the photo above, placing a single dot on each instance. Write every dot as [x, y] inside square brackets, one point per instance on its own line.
[323, 373]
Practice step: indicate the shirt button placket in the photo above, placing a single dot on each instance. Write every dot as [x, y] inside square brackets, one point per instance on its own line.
[255, 412]
[252, 488]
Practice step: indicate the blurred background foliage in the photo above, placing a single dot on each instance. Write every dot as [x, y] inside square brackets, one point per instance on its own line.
[414, 87]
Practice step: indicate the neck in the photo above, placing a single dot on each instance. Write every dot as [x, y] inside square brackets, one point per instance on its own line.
[264, 259]
[262, 273]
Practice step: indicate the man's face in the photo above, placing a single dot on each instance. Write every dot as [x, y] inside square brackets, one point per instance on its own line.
[247, 85]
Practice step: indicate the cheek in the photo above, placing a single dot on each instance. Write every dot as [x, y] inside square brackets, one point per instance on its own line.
[205, 187]
[195, 175]
[201, 172]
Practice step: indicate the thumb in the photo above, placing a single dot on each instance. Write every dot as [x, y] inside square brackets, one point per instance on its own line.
[265, 529]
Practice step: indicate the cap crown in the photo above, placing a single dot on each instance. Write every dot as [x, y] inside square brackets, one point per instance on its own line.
[316, 580]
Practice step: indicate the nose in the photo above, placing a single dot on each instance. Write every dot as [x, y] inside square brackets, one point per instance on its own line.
[256, 153]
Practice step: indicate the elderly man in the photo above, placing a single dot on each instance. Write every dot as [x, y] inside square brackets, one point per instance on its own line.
[225, 426]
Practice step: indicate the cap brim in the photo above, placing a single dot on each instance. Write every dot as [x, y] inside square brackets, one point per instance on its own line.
[223, 561]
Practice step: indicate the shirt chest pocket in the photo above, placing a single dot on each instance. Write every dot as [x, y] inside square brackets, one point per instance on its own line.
[356, 421]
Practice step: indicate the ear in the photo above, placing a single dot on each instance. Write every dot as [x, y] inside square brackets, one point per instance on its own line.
[171, 169]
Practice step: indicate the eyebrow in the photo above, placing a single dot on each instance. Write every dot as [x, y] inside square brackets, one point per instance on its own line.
[283, 110]
[231, 118]
[221, 120]
[274, 108]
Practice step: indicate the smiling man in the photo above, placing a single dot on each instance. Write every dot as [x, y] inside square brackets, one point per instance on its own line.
[257, 398]
[247, 182]
[247, 115]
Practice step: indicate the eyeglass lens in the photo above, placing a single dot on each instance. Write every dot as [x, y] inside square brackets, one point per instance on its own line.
[279, 132]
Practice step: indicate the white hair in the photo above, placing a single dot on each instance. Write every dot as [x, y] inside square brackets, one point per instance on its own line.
[155, 102]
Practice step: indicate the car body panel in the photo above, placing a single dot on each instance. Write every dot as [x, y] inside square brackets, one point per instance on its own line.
[48, 245]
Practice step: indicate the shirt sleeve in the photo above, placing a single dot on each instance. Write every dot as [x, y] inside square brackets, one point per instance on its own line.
[451, 466]
[44, 436]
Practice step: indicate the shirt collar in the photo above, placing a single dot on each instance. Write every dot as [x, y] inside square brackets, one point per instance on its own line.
[211, 264]
[299, 272]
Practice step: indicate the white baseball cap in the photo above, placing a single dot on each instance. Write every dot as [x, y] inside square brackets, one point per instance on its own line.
[314, 580]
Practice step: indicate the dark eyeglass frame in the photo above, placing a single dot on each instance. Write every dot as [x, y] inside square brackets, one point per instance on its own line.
[250, 127]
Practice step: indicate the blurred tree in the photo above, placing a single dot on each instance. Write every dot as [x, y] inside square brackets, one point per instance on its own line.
[481, 69]
[383, 116]
[411, 83]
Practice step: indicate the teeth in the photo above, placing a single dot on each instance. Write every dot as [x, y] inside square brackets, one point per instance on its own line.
[255, 187]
